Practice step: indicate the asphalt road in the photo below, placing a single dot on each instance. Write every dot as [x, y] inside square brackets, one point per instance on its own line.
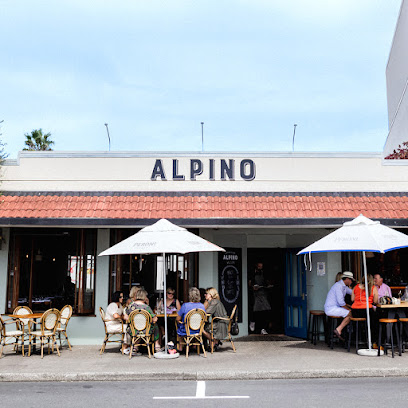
[361, 392]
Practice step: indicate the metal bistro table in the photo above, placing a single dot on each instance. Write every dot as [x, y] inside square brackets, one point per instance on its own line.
[391, 310]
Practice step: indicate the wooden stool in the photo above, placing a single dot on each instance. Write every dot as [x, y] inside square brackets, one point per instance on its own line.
[332, 324]
[402, 321]
[354, 322]
[315, 316]
[388, 345]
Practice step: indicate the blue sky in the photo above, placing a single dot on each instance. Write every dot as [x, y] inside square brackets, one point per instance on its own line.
[153, 70]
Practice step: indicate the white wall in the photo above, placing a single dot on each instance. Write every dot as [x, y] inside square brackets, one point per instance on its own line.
[317, 172]
[397, 66]
[397, 84]
[318, 286]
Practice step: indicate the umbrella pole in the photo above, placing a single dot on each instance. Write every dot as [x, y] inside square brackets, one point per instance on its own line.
[165, 302]
[367, 296]
[368, 352]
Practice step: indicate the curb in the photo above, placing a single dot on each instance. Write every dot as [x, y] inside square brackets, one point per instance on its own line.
[201, 375]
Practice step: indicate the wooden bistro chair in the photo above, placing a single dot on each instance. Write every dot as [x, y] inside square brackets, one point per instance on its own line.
[228, 321]
[194, 321]
[110, 333]
[140, 322]
[5, 335]
[24, 323]
[47, 333]
[65, 315]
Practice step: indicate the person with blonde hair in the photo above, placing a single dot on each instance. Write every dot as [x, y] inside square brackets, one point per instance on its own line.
[215, 308]
[141, 302]
[133, 291]
[338, 277]
[194, 303]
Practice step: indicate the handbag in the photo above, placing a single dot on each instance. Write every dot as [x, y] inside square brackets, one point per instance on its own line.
[234, 327]
[385, 300]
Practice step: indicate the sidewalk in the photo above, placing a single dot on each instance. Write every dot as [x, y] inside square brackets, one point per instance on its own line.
[253, 360]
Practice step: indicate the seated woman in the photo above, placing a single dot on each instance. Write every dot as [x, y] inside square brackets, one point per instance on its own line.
[358, 308]
[194, 303]
[172, 305]
[141, 302]
[215, 308]
[114, 314]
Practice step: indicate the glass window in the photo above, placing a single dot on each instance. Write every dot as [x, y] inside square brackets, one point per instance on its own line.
[141, 270]
[52, 268]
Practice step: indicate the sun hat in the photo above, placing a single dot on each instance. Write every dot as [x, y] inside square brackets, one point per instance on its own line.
[347, 274]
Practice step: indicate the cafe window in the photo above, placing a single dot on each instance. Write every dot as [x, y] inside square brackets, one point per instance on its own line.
[393, 265]
[141, 270]
[52, 268]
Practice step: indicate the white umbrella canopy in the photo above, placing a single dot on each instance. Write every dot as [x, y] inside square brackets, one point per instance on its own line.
[363, 235]
[163, 237]
[360, 234]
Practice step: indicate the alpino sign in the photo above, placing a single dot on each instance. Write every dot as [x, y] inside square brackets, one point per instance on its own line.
[225, 169]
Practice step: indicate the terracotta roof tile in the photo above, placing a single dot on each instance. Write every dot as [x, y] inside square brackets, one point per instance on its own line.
[204, 205]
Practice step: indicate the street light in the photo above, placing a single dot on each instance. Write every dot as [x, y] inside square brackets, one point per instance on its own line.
[107, 130]
[202, 136]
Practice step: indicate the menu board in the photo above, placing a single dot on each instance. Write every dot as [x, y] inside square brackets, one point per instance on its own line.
[230, 279]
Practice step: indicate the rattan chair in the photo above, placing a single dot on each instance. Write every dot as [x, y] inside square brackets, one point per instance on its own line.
[194, 321]
[109, 332]
[140, 322]
[228, 321]
[11, 334]
[65, 315]
[24, 323]
[47, 333]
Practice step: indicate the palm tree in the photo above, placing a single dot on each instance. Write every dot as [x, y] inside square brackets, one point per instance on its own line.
[38, 141]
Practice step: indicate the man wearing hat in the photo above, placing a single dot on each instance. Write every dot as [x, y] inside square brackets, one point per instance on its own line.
[335, 304]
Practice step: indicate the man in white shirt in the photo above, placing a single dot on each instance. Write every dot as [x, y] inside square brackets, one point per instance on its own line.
[335, 304]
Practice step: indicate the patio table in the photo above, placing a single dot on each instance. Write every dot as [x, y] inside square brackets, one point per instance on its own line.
[31, 316]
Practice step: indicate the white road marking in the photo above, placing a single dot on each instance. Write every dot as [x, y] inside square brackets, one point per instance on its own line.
[200, 394]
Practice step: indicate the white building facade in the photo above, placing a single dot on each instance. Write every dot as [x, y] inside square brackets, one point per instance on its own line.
[59, 210]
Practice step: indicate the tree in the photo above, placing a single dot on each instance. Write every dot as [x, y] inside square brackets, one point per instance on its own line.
[38, 141]
[3, 154]
[400, 153]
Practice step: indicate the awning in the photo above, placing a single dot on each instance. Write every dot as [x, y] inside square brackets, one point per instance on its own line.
[204, 208]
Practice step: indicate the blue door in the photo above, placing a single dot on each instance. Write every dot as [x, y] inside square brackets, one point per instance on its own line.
[295, 296]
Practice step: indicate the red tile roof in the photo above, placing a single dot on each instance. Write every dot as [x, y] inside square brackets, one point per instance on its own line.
[126, 206]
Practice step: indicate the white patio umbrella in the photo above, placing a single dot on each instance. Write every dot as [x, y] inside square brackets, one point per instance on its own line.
[362, 235]
[163, 237]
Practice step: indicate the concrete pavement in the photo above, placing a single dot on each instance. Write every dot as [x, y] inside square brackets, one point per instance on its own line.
[253, 360]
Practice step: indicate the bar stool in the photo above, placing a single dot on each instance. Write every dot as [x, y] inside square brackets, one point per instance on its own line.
[316, 317]
[388, 345]
[332, 324]
[402, 322]
[354, 323]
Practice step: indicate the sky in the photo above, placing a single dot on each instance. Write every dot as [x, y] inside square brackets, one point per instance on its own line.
[155, 69]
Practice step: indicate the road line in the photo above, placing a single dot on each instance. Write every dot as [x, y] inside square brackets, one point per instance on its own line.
[209, 397]
[200, 392]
